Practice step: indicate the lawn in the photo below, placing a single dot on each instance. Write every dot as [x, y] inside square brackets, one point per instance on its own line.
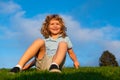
[83, 73]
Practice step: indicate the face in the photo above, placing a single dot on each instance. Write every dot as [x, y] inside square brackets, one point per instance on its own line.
[54, 27]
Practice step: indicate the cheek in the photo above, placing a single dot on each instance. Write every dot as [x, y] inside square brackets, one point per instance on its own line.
[50, 27]
[59, 27]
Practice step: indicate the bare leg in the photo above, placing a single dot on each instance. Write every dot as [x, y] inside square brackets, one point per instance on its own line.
[60, 54]
[32, 51]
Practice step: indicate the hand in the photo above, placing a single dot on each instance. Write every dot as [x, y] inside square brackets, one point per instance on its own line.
[76, 64]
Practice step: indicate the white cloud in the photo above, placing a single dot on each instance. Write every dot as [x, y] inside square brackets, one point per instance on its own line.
[6, 33]
[9, 7]
[17, 25]
[75, 30]
[25, 26]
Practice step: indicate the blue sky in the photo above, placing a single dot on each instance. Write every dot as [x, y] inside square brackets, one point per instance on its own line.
[92, 25]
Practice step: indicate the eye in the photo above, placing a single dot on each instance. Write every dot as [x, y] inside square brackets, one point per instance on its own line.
[51, 23]
[57, 24]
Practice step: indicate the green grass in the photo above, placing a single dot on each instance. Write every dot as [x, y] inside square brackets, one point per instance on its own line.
[83, 73]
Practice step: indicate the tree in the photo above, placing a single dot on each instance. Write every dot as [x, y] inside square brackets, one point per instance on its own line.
[107, 59]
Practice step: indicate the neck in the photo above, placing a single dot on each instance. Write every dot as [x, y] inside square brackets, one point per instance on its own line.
[54, 36]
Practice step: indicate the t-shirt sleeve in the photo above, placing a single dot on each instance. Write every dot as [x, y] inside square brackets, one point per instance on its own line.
[67, 39]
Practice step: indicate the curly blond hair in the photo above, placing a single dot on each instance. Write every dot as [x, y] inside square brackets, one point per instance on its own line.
[44, 30]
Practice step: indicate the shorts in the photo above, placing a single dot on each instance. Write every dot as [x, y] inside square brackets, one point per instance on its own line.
[45, 63]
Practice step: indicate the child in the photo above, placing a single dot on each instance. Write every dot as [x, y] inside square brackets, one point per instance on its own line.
[49, 53]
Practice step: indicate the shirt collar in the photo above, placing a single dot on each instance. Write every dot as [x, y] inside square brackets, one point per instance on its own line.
[50, 38]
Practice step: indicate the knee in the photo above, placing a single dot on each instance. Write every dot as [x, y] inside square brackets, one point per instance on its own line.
[62, 43]
[40, 41]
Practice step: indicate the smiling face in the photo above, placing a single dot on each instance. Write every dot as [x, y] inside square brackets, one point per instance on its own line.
[54, 27]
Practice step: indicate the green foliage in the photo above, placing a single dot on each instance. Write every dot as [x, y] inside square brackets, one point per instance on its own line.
[107, 59]
[83, 73]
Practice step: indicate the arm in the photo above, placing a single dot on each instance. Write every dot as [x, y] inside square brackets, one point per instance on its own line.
[73, 57]
[29, 65]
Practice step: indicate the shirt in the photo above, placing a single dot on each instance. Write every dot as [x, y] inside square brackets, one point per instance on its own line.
[52, 44]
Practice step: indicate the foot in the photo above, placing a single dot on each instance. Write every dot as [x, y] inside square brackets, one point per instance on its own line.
[54, 68]
[15, 70]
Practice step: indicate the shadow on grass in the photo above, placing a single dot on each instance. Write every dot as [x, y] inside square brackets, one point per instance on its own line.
[67, 74]
[62, 76]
